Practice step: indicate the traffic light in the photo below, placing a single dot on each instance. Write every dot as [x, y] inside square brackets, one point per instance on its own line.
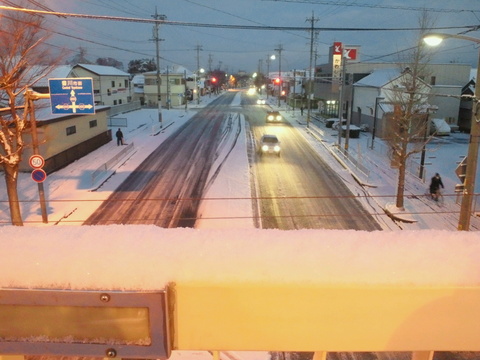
[277, 81]
[214, 80]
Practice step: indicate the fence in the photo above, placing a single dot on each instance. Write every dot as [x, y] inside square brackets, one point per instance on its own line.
[105, 168]
[123, 108]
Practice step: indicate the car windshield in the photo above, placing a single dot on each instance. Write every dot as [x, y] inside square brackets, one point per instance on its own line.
[270, 139]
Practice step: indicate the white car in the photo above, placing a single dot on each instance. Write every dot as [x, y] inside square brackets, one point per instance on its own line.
[274, 116]
[269, 144]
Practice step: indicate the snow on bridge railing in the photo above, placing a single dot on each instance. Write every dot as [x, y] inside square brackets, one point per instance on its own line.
[271, 290]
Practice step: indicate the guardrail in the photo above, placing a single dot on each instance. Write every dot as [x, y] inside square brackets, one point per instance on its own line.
[338, 291]
[103, 170]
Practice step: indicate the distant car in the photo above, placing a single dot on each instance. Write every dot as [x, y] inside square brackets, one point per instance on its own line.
[274, 116]
[336, 124]
[329, 122]
[269, 144]
[261, 102]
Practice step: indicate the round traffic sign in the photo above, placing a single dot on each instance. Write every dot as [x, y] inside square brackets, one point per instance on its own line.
[39, 175]
[36, 161]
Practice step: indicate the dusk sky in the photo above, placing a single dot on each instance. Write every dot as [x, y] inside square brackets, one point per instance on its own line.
[247, 49]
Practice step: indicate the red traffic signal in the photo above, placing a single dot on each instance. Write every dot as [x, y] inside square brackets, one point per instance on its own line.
[214, 80]
[277, 81]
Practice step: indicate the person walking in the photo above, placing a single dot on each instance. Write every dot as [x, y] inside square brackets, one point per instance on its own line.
[119, 135]
[301, 110]
[435, 186]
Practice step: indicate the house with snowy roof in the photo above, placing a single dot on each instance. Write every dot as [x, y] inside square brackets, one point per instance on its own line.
[376, 94]
[465, 114]
[111, 86]
[174, 85]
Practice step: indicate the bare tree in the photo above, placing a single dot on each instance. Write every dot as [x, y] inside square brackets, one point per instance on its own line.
[22, 46]
[408, 94]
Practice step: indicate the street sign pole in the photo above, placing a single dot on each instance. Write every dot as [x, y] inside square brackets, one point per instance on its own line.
[33, 122]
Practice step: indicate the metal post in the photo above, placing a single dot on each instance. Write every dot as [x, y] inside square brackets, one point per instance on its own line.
[375, 120]
[472, 159]
[157, 49]
[268, 74]
[33, 124]
[280, 49]
[424, 147]
[340, 102]
[309, 105]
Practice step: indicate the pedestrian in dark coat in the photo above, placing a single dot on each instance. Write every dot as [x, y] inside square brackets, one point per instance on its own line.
[119, 136]
[435, 186]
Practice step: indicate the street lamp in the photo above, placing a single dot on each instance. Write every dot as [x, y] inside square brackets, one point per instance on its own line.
[269, 59]
[197, 83]
[472, 155]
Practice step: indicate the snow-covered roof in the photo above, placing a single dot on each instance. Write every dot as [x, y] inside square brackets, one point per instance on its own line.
[103, 70]
[473, 74]
[138, 79]
[379, 77]
[173, 69]
[59, 72]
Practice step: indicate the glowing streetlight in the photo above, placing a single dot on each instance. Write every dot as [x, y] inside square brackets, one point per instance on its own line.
[269, 59]
[472, 155]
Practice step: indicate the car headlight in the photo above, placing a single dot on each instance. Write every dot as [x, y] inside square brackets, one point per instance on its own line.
[270, 117]
[276, 148]
[279, 118]
[264, 147]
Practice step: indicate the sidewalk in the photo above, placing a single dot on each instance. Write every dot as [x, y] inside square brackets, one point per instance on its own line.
[375, 178]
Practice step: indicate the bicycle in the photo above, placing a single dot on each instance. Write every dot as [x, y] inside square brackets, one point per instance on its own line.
[437, 196]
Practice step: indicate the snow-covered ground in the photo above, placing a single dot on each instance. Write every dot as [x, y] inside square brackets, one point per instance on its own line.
[72, 194]
[226, 247]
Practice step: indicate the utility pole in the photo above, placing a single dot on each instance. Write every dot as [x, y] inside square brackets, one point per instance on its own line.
[279, 49]
[198, 48]
[210, 62]
[340, 104]
[310, 79]
[157, 40]
[30, 96]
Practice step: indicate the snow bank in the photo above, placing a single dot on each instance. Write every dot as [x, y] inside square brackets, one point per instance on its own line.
[147, 257]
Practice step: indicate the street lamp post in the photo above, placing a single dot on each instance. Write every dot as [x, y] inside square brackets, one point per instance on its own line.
[472, 155]
[375, 115]
[280, 49]
[269, 58]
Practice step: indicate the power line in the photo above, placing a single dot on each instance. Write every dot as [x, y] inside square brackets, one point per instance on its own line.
[224, 26]
[377, 6]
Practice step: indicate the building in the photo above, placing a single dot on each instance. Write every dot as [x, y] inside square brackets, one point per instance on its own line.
[173, 86]
[375, 96]
[67, 137]
[445, 80]
[111, 86]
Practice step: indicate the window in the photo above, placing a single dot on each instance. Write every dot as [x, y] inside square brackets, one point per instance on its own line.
[93, 123]
[433, 80]
[126, 83]
[71, 130]
[113, 83]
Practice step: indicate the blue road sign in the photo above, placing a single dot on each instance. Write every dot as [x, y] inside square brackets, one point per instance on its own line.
[72, 96]
[39, 175]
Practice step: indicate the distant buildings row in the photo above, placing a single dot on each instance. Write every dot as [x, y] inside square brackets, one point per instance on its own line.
[448, 89]
[64, 138]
